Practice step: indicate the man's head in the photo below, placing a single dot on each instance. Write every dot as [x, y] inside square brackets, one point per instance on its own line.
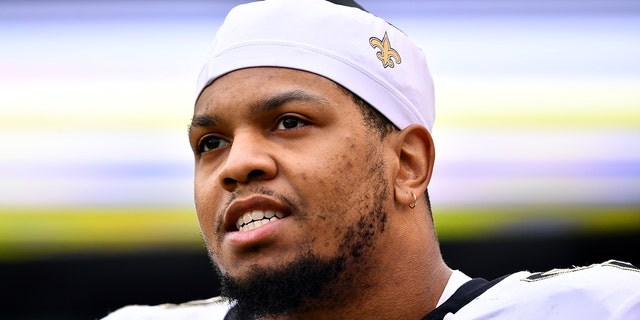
[358, 50]
[298, 185]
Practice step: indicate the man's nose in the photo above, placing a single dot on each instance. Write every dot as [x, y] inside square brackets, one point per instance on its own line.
[250, 159]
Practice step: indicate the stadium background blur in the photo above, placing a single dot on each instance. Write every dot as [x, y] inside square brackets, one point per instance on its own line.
[537, 136]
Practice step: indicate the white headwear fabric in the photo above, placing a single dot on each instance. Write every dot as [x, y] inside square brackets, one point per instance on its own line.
[356, 49]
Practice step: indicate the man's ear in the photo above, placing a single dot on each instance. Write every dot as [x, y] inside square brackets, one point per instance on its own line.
[416, 153]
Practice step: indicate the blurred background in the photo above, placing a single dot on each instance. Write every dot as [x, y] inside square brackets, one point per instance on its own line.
[537, 136]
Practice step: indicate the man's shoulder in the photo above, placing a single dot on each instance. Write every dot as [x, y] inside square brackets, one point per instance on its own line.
[596, 274]
[609, 290]
[211, 309]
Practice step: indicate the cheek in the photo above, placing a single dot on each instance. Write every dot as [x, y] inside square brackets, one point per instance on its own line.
[338, 186]
[205, 199]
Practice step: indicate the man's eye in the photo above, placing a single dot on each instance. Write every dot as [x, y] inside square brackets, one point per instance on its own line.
[211, 143]
[287, 123]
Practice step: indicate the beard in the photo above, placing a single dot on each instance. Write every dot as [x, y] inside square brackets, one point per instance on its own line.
[279, 291]
[312, 282]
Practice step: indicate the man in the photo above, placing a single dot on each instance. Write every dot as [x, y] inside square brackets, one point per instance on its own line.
[312, 141]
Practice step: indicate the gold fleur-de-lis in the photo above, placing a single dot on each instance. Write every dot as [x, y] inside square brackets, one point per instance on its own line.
[386, 52]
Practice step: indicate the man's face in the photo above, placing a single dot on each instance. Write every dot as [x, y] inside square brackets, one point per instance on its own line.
[290, 150]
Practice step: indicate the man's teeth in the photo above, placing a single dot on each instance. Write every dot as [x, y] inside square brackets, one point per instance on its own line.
[257, 218]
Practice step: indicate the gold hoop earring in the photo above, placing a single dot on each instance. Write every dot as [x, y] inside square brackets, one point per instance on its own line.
[415, 200]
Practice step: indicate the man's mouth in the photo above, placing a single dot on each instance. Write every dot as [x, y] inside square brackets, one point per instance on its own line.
[257, 218]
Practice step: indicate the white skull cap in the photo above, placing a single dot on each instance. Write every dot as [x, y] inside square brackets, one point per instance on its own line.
[356, 49]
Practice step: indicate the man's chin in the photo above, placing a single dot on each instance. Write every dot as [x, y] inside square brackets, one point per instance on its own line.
[283, 289]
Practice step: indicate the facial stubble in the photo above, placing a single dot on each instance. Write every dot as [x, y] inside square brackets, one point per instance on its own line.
[311, 281]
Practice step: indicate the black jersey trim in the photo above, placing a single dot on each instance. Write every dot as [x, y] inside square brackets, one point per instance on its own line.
[234, 314]
[348, 3]
[467, 292]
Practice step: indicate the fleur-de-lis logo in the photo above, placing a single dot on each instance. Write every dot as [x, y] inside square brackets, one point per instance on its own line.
[386, 52]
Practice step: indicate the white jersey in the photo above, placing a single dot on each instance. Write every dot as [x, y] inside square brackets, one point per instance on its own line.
[605, 291]
[210, 309]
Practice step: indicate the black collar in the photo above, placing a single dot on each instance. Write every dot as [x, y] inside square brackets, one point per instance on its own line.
[467, 292]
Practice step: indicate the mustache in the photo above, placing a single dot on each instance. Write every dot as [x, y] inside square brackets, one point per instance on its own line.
[262, 190]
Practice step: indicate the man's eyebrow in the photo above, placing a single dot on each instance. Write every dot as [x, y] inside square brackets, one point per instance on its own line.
[205, 120]
[266, 105]
[280, 99]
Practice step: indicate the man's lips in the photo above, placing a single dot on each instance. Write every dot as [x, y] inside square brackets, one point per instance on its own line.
[253, 212]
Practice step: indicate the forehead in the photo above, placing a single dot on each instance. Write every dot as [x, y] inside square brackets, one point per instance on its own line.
[261, 82]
